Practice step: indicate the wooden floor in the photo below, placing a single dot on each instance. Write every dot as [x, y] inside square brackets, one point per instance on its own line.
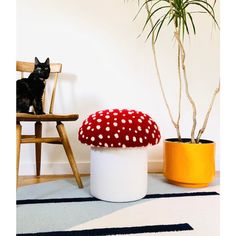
[28, 180]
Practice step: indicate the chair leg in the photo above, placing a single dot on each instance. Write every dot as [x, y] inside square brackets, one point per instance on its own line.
[38, 134]
[65, 141]
[18, 143]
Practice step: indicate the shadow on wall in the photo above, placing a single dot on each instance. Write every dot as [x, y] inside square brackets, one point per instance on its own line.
[155, 158]
[71, 99]
[155, 152]
[75, 100]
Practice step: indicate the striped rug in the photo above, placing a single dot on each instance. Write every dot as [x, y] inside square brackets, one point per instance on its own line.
[59, 208]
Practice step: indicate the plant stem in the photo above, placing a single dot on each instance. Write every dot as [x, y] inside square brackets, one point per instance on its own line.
[179, 75]
[176, 125]
[208, 113]
[177, 36]
[180, 90]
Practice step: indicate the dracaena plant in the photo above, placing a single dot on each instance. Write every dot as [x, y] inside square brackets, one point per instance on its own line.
[180, 14]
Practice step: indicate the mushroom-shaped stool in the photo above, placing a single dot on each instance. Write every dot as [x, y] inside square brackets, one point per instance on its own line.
[118, 140]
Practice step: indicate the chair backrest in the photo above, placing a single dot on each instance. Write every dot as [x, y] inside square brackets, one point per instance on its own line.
[55, 69]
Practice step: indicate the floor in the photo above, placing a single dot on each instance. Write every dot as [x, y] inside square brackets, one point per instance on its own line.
[28, 180]
[168, 205]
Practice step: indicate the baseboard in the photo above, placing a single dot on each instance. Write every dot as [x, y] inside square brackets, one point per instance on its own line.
[59, 168]
[155, 166]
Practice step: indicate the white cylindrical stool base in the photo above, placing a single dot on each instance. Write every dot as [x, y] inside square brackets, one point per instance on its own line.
[118, 174]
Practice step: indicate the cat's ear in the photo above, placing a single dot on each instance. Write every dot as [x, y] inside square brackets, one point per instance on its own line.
[36, 61]
[47, 61]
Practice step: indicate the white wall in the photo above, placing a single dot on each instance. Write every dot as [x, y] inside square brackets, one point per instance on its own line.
[105, 65]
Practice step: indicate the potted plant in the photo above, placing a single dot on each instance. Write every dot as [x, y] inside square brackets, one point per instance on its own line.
[189, 161]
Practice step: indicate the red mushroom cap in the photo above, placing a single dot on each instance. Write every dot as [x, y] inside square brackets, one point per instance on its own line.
[119, 128]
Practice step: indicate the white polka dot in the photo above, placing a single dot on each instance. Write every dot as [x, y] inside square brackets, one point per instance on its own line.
[123, 128]
[140, 140]
[86, 122]
[98, 127]
[108, 136]
[99, 120]
[123, 121]
[86, 137]
[149, 127]
[107, 116]
[123, 145]
[130, 121]
[139, 128]
[82, 136]
[142, 117]
[92, 138]
[145, 137]
[140, 121]
[133, 116]
[134, 139]
[107, 128]
[112, 145]
[92, 129]
[115, 124]
[115, 114]
[115, 118]
[153, 135]
[147, 131]
[129, 129]
[124, 115]
[155, 126]
[93, 115]
[100, 112]
[136, 131]
[119, 144]
[130, 112]
[94, 118]
[106, 145]
[116, 135]
[149, 122]
[108, 123]
[118, 131]
[81, 132]
[100, 136]
[100, 144]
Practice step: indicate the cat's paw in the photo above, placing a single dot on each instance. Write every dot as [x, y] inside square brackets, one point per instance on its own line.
[40, 113]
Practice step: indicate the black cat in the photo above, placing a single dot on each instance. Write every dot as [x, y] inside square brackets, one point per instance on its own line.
[29, 91]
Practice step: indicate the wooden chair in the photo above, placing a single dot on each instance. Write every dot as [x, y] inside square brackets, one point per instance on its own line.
[38, 119]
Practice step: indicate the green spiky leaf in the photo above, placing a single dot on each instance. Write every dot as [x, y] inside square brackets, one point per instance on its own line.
[179, 12]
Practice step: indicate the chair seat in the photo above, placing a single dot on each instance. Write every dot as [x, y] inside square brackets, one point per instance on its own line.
[46, 117]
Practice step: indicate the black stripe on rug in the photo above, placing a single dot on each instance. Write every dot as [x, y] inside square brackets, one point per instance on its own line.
[91, 199]
[115, 231]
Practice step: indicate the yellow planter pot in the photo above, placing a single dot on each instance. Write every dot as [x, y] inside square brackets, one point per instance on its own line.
[187, 164]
